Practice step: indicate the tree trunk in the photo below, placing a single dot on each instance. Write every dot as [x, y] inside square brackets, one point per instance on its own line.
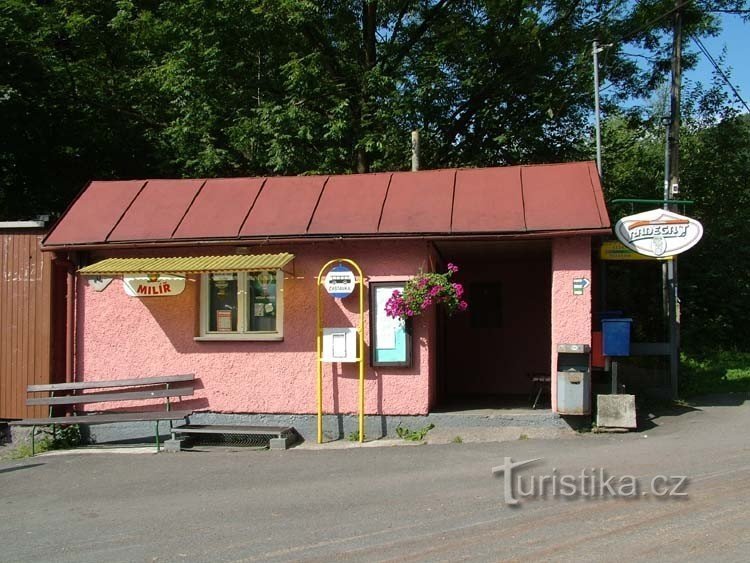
[369, 27]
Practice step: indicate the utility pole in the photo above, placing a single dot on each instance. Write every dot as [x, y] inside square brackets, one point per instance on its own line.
[672, 190]
[595, 50]
[415, 150]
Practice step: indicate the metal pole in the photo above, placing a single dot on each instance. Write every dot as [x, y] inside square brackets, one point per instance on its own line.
[415, 150]
[361, 353]
[667, 122]
[318, 361]
[595, 50]
[674, 182]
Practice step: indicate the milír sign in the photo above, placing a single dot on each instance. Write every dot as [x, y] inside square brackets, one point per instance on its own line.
[658, 233]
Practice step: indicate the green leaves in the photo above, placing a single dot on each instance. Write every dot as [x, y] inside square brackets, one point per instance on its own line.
[138, 88]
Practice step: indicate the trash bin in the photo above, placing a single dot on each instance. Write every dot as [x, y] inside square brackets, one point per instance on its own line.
[573, 379]
[616, 336]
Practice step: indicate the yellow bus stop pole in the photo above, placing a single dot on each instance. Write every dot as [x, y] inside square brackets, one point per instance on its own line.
[319, 362]
[360, 352]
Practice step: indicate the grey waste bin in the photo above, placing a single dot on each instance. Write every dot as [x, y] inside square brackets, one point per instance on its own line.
[573, 379]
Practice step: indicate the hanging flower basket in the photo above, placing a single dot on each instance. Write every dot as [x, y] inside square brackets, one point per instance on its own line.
[424, 291]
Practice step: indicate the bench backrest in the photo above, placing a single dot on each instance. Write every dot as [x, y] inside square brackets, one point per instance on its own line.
[120, 390]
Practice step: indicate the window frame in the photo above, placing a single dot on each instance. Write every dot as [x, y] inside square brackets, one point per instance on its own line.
[206, 335]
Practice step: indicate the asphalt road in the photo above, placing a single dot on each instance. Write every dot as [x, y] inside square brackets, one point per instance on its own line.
[422, 503]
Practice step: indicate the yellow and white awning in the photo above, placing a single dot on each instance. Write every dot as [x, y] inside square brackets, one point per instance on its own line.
[188, 265]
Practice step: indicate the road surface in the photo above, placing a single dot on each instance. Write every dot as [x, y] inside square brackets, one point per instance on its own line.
[419, 503]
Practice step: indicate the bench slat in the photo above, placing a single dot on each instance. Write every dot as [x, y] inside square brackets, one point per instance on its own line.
[111, 397]
[231, 429]
[111, 383]
[104, 418]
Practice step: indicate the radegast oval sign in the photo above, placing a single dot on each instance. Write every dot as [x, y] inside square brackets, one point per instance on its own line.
[658, 233]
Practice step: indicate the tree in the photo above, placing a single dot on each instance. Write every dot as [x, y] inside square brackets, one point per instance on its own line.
[247, 87]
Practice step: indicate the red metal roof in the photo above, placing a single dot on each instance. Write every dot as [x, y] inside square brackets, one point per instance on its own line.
[96, 211]
[284, 207]
[511, 200]
[489, 200]
[157, 211]
[220, 208]
[351, 207]
[419, 202]
[559, 198]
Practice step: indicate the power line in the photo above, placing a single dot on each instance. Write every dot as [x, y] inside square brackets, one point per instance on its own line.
[657, 19]
[703, 49]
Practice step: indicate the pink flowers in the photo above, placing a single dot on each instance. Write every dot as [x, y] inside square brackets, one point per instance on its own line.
[425, 290]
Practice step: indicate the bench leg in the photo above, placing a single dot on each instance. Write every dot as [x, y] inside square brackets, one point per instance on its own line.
[33, 441]
[158, 446]
[538, 394]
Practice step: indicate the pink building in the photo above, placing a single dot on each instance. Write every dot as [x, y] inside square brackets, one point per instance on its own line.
[244, 318]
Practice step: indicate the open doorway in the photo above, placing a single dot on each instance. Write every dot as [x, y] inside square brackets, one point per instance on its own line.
[495, 355]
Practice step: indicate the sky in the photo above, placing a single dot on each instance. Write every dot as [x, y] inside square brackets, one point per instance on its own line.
[735, 37]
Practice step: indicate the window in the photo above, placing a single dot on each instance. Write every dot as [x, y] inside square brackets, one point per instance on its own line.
[242, 306]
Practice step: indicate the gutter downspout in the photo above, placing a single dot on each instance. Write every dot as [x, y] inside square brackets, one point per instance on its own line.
[70, 316]
[70, 324]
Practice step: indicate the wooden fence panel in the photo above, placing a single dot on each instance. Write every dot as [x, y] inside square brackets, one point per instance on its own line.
[25, 321]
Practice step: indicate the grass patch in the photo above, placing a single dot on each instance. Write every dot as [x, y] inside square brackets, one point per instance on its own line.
[413, 435]
[64, 438]
[718, 372]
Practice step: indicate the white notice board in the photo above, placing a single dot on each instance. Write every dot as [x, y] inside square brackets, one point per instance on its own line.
[390, 339]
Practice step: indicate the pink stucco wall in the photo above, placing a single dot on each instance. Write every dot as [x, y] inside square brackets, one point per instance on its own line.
[571, 314]
[122, 337]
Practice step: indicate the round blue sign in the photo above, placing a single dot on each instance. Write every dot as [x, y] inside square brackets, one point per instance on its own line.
[340, 281]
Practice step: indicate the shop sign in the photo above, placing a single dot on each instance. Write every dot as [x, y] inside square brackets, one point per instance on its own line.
[99, 283]
[153, 285]
[579, 284]
[614, 250]
[340, 281]
[658, 233]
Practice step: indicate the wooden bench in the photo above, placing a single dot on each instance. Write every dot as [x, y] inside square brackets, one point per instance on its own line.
[71, 395]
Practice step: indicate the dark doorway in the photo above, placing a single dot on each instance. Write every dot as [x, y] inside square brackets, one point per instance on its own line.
[489, 354]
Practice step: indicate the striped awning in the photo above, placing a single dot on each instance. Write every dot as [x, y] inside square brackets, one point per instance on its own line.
[188, 265]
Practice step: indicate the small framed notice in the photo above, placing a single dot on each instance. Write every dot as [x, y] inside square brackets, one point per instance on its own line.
[223, 321]
[390, 339]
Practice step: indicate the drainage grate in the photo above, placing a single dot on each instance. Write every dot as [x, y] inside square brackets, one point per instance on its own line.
[234, 435]
[259, 441]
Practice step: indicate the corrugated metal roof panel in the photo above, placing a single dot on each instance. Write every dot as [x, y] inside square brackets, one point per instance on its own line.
[488, 200]
[419, 202]
[559, 197]
[491, 200]
[220, 208]
[351, 204]
[157, 210]
[95, 213]
[284, 206]
[188, 265]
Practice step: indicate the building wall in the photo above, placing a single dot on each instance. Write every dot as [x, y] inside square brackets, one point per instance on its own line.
[122, 337]
[571, 314]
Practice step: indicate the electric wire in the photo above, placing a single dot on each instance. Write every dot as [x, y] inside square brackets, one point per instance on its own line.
[713, 62]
